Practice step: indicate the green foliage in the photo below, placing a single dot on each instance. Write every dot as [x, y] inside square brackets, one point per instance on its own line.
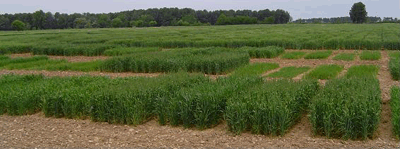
[6, 61]
[289, 72]
[255, 69]
[269, 20]
[347, 108]
[318, 55]
[265, 52]
[325, 72]
[92, 49]
[117, 22]
[18, 25]
[394, 68]
[394, 54]
[358, 14]
[293, 55]
[270, 108]
[370, 55]
[395, 108]
[363, 71]
[345, 56]
[125, 51]
[207, 60]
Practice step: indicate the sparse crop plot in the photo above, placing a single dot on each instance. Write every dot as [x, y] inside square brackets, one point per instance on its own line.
[254, 69]
[370, 55]
[347, 108]
[289, 72]
[345, 56]
[293, 55]
[318, 55]
[325, 72]
[363, 71]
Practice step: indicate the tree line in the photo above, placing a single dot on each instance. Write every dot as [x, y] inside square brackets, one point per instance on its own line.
[339, 20]
[142, 18]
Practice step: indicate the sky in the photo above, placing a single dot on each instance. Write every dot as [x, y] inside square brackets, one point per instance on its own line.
[297, 8]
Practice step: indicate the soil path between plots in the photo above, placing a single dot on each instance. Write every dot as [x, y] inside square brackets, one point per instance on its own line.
[39, 131]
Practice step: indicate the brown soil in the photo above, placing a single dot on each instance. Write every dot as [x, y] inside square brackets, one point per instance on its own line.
[38, 131]
[68, 58]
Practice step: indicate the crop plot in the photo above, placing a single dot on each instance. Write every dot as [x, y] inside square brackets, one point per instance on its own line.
[325, 72]
[318, 55]
[293, 55]
[254, 69]
[363, 71]
[345, 56]
[289, 72]
[370, 55]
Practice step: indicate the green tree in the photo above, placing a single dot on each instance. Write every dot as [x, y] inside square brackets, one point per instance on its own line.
[18, 25]
[39, 19]
[222, 20]
[270, 20]
[103, 21]
[117, 22]
[152, 23]
[80, 22]
[358, 14]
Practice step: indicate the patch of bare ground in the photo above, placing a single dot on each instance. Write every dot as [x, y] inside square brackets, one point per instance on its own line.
[39, 131]
[68, 58]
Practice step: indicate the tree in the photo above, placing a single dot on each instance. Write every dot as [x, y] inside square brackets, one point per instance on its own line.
[358, 14]
[18, 25]
[152, 23]
[117, 22]
[80, 22]
[222, 20]
[39, 19]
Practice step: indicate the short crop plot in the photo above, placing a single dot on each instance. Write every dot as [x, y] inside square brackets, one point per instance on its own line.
[347, 108]
[318, 55]
[293, 55]
[363, 71]
[263, 52]
[370, 55]
[325, 72]
[345, 56]
[254, 69]
[289, 72]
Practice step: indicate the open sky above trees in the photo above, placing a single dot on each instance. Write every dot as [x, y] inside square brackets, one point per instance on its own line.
[296, 8]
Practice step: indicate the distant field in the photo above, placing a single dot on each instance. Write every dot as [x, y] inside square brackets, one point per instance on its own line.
[291, 36]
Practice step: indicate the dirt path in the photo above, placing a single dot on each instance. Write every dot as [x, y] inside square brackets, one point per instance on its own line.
[38, 131]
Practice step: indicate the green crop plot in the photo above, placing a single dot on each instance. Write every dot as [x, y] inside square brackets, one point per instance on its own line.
[254, 69]
[394, 68]
[345, 56]
[363, 71]
[395, 108]
[293, 55]
[347, 108]
[370, 55]
[264, 52]
[289, 72]
[325, 72]
[125, 51]
[318, 55]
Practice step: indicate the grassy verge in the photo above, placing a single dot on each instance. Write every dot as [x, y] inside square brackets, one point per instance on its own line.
[347, 108]
[293, 55]
[362, 71]
[325, 72]
[345, 56]
[289, 72]
[255, 69]
[318, 55]
[370, 55]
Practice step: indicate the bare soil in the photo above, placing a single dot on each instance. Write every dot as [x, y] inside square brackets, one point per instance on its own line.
[39, 131]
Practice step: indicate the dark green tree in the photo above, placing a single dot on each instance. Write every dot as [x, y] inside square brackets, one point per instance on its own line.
[358, 13]
[39, 19]
[18, 25]
[117, 22]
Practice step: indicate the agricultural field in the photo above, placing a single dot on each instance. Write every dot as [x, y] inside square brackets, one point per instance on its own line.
[314, 85]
